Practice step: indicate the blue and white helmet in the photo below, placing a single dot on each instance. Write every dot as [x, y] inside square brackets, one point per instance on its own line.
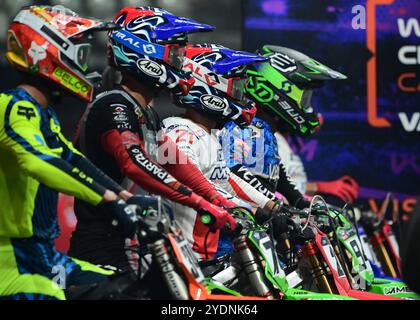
[151, 45]
[218, 91]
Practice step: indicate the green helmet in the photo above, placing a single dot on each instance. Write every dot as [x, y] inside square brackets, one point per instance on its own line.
[284, 85]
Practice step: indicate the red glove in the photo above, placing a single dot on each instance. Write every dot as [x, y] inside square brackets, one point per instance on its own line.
[345, 188]
[215, 217]
[221, 201]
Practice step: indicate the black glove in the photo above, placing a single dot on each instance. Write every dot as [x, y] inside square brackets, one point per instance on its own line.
[262, 216]
[125, 217]
[302, 203]
[281, 223]
[144, 202]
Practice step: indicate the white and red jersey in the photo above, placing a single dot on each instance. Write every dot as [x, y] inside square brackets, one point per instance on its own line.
[201, 147]
[205, 151]
[292, 163]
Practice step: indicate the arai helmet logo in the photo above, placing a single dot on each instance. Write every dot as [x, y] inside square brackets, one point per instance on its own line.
[150, 67]
[213, 102]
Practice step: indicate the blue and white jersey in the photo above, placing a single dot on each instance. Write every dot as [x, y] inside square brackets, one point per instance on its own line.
[254, 147]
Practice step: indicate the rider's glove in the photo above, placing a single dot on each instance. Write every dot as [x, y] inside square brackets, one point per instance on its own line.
[125, 216]
[146, 202]
[262, 215]
[215, 217]
[221, 201]
[302, 203]
[345, 188]
[143, 202]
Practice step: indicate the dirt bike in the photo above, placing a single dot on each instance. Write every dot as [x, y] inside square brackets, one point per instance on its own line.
[322, 262]
[254, 268]
[173, 270]
[351, 253]
[253, 272]
[380, 233]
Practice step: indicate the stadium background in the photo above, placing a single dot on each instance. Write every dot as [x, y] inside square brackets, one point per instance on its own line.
[377, 150]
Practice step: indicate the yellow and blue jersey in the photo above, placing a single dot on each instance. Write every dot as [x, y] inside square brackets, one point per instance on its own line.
[37, 162]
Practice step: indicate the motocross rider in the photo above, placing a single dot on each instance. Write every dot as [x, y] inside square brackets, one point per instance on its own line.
[282, 88]
[118, 132]
[49, 47]
[216, 97]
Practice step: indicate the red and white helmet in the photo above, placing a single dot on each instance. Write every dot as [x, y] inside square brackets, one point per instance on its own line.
[51, 42]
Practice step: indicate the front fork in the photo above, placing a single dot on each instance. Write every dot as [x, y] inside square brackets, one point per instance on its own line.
[174, 282]
[344, 261]
[383, 255]
[252, 267]
[310, 251]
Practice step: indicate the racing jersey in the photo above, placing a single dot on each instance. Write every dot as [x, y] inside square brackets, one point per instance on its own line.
[202, 148]
[255, 148]
[292, 163]
[205, 151]
[111, 133]
[122, 139]
[37, 162]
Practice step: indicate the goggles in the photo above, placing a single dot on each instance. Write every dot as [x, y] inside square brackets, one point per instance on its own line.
[236, 88]
[305, 101]
[171, 54]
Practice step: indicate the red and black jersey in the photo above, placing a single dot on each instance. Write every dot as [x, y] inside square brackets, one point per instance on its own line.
[112, 135]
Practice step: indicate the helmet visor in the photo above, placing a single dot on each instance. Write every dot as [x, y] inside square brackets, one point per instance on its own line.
[305, 101]
[174, 55]
[237, 88]
[82, 56]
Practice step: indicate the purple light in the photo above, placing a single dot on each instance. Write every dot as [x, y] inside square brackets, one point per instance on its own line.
[275, 7]
[331, 9]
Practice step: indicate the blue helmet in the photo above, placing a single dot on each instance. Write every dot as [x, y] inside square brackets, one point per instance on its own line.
[151, 45]
[218, 91]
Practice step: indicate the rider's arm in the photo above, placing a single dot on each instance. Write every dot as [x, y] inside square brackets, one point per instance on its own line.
[286, 187]
[121, 140]
[77, 159]
[186, 171]
[23, 137]
[249, 188]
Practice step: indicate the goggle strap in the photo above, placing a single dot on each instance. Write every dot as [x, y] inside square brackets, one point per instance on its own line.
[201, 72]
[139, 45]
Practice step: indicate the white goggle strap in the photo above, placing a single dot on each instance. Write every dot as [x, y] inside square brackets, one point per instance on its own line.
[205, 75]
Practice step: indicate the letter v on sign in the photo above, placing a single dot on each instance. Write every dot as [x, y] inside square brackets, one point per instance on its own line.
[372, 103]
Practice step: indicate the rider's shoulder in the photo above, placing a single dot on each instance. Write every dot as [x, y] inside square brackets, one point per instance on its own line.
[172, 123]
[113, 97]
[182, 125]
[18, 101]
